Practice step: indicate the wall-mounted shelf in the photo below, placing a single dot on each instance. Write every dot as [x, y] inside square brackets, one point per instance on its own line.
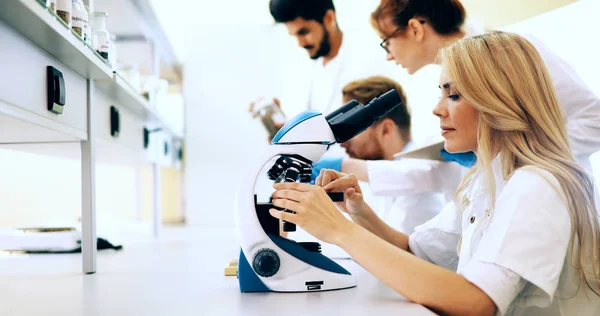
[45, 29]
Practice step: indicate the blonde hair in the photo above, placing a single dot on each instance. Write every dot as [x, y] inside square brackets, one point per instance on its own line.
[505, 79]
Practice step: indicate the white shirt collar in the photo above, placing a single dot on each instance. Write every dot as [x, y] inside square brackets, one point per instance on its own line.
[479, 184]
[340, 55]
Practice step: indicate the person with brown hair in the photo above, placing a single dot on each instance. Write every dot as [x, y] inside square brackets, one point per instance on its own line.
[388, 136]
[391, 134]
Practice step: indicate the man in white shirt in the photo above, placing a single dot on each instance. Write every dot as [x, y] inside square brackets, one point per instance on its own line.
[338, 58]
[390, 135]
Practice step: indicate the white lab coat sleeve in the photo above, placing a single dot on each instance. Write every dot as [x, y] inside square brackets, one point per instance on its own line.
[437, 240]
[581, 106]
[528, 233]
[413, 176]
[501, 285]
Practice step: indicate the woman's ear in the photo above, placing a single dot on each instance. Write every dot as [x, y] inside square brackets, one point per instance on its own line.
[416, 28]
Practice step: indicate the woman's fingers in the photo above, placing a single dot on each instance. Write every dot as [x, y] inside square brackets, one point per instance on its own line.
[342, 183]
[319, 181]
[285, 216]
[288, 194]
[297, 186]
[353, 195]
[328, 175]
[287, 204]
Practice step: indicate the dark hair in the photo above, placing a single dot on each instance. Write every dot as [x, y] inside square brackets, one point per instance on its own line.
[284, 11]
[365, 90]
[445, 16]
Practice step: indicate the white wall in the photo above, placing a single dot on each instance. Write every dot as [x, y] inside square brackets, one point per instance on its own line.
[228, 67]
[572, 33]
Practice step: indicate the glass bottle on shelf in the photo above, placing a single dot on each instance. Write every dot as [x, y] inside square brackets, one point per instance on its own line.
[100, 36]
[89, 25]
[64, 9]
[79, 19]
[51, 5]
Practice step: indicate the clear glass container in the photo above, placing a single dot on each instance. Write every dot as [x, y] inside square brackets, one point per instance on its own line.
[131, 74]
[100, 36]
[270, 115]
[88, 40]
[64, 9]
[79, 19]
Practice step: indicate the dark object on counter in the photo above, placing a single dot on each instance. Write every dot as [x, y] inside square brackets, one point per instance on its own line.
[102, 244]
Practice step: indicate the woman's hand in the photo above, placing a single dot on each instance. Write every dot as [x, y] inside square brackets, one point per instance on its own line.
[333, 181]
[314, 211]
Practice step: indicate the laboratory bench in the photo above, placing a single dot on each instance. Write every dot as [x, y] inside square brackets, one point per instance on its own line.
[179, 274]
[99, 110]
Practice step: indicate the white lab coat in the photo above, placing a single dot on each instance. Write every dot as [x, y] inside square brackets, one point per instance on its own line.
[354, 61]
[581, 106]
[405, 212]
[517, 252]
[581, 109]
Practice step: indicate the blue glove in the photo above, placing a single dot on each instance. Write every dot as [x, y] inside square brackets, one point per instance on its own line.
[325, 163]
[467, 159]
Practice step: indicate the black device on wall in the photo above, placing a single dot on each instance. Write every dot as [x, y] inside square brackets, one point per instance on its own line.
[147, 135]
[56, 90]
[166, 148]
[115, 122]
[180, 153]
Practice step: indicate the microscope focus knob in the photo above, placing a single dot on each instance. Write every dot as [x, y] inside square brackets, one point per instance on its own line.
[266, 262]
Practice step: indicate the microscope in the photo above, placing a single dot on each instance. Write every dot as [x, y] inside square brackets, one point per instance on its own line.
[269, 262]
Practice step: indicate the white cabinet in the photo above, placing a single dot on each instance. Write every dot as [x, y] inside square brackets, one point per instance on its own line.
[130, 126]
[31, 39]
[23, 86]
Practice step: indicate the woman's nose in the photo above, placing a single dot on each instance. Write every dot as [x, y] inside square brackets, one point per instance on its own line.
[440, 110]
[389, 56]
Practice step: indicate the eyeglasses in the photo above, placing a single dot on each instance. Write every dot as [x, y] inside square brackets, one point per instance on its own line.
[385, 43]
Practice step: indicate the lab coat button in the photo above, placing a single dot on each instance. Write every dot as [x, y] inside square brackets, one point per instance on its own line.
[472, 219]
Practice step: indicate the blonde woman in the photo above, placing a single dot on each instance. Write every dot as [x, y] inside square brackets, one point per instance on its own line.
[521, 237]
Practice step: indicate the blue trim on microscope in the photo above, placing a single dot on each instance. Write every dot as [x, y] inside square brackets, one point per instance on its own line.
[249, 281]
[292, 123]
[315, 259]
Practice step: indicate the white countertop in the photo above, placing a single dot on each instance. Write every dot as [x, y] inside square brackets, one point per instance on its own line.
[369, 297]
[181, 274]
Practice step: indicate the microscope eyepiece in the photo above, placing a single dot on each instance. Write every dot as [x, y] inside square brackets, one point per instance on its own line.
[353, 118]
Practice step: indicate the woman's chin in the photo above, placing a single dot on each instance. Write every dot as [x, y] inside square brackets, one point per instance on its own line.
[454, 148]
